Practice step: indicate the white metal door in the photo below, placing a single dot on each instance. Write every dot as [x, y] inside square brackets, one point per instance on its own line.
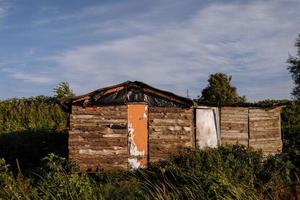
[207, 127]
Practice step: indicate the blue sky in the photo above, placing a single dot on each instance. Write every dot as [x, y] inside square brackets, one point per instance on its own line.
[170, 44]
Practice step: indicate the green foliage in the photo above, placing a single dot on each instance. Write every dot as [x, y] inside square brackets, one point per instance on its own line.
[224, 173]
[29, 147]
[61, 179]
[290, 115]
[63, 91]
[294, 69]
[220, 90]
[31, 114]
[232, 172]
[30, 128]
[7, 181]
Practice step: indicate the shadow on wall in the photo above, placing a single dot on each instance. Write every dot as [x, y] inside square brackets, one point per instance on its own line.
[29, 147]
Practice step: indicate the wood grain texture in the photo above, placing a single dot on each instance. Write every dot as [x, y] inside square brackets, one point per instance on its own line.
[258, 128]
[265, 130]
[98, 137]
[170, 132]
[234, 125]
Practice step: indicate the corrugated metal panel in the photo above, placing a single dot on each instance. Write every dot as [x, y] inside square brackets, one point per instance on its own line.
[207, 127]
[138, 135]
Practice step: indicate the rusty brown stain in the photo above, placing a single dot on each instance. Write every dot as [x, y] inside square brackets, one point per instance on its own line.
[143, 161]
[89, 108]
[138, 133]
[112, 90]
[85, 98]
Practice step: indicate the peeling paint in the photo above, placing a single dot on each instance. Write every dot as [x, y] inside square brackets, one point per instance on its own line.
[187, 128]
[87, 151]
[146, 111]
[206, 128]
[133, 150]
[134, 163]
[102, 152]
[138, 135]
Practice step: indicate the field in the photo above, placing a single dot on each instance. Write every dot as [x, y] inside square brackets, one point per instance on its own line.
[34, 131]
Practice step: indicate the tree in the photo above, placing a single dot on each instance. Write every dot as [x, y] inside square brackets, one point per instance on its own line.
[62, 91]
[294, 68]
[220, 90]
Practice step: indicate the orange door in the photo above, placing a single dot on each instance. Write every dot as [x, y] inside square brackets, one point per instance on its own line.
[138, 135]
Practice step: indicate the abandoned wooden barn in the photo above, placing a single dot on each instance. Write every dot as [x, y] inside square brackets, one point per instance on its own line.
[130, 124]
[249, 124]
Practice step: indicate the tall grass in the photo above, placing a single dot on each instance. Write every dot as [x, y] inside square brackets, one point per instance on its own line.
[226, 173]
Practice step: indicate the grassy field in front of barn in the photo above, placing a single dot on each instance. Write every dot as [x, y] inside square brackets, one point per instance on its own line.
[34, 131]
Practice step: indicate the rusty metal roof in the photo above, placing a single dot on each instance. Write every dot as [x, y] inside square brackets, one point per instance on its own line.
[132, 91]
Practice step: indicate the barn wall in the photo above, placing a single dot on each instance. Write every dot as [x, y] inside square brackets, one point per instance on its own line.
[258, 128]
[171, 130]
[265, 130]
[98, 137]
[234, 125]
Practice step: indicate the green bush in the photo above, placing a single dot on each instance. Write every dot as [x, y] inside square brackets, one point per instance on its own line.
[232, 172]
[32, 114]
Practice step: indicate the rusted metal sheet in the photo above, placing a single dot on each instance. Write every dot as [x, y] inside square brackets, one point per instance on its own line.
[207, 127]
[132, 92]
[138, 135]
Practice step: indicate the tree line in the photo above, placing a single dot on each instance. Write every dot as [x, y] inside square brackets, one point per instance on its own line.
[46, 113]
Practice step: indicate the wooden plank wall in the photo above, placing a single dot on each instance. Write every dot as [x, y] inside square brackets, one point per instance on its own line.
[265, 130]
[171, 130]
[258, 128]
[98, 137]
[234, 125]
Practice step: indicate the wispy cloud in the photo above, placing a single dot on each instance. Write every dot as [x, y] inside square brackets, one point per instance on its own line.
[29, 77]
[170, 44]
[250, 41]
[3, 9]
[83, 14]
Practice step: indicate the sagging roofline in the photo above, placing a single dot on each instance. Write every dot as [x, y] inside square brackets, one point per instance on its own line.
[92, 98]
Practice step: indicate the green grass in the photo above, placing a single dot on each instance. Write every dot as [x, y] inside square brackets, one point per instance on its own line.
[232, 172]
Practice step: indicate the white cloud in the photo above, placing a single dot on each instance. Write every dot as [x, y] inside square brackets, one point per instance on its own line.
[250, 41]
[3, 11]
[29, 77]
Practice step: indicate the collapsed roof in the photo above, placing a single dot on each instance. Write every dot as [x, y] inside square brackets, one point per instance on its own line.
[132, 91]
[136, 91]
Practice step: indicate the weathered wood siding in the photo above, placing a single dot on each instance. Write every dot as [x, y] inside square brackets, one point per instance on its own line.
[254, 127]
[265, 130]
[234, 125]
[98, 137]
[171, 130]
